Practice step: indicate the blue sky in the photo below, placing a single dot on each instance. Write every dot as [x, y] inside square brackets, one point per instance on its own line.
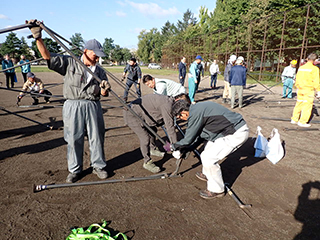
[120, 20]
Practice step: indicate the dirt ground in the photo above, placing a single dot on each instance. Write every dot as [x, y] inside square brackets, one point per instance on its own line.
[285, 197]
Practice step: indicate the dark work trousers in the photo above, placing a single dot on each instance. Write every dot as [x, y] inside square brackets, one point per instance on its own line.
[11, 76]
[147, 140]
[214, 80]
[182, 80]
[128, 86]
[24, 75]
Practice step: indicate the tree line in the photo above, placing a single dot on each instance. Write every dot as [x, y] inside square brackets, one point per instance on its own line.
[14, 47]
[227, 13]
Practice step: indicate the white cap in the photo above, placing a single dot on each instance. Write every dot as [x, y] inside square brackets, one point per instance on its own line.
[233, 58]
[241, 58]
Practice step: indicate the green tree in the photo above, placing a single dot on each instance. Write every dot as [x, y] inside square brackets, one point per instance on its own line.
[11, 46]
[108, 47]
[187, 20]
[126, 54]
[77, 41]
[52, 46]
[25, 49]
[169, 29]
[117, 54]
[150, 46]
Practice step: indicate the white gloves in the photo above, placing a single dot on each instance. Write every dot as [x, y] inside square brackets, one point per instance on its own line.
[176, 154]
[318, 95]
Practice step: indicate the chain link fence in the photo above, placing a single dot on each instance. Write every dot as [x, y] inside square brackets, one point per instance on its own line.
[267, 44]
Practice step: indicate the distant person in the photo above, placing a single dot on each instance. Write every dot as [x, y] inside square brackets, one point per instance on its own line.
[82, 112]
[163, 86]
[288, 77]
[201, 72]
[226, 91]
[134, 77]
[307, 82]
[24, 68]
[214, 71]
[34, 85]
[237, 80]
[224, 130]
[182, 71]
[155, 110]
[10, 74]
[194, 72]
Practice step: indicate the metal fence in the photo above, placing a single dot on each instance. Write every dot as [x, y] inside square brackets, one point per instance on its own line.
[267, 44]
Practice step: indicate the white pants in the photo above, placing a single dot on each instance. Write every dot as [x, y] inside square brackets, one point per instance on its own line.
[217, 150]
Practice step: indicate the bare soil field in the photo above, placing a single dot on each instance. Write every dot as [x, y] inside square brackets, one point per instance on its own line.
[285, 197]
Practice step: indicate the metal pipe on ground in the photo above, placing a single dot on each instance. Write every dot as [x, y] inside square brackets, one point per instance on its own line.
[29, 119]
[39, 188]
[37, 94]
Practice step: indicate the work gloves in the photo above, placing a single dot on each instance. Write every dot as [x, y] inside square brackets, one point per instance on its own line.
[123, 78]
[318, 95]
[168, 147]
[36, 30]
[176, 154]
[105, 85]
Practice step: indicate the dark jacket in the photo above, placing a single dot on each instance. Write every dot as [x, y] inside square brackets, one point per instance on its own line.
[134, 72]
[210, 121]
[238, 76]
[155, 110]
[182, 70]
[227, 72]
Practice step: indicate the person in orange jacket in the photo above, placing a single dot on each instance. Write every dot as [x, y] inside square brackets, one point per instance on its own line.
[307, 81]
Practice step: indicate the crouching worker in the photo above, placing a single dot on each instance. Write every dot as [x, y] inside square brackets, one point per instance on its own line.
[224, 130]
[155, 110]
[35, 85]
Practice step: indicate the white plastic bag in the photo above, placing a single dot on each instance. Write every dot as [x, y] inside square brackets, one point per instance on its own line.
[260, 144]
[275, 151]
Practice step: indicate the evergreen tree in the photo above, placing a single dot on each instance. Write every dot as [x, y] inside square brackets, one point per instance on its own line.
[108, 47]
[11, 46]
[77, 41]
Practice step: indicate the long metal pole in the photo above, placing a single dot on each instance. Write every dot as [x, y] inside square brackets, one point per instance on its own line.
[10, 29]
[99, 80]
[37, 94]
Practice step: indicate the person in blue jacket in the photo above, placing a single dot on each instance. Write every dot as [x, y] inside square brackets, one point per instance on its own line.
[237, 80]
[24, 68]
[194, 73]
[7, 63]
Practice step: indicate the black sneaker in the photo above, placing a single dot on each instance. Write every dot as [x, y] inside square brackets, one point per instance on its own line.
[102, 174]
[72, 177]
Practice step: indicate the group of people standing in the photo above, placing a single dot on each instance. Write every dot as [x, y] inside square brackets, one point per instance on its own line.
[10, 74]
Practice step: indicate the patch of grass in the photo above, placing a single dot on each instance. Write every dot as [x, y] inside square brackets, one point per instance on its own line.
[145, 70]
[36, 68]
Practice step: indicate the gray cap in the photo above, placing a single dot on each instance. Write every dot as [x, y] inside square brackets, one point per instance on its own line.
[95, 46]
[30, 75]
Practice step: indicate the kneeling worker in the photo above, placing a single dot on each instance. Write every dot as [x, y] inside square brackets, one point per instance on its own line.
[35, 85]
[155, 110]
[225, 132]
[163, 86]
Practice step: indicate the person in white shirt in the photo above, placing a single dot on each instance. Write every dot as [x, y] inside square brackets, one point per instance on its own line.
[288, 77]
[163, 86]
[214, 70]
